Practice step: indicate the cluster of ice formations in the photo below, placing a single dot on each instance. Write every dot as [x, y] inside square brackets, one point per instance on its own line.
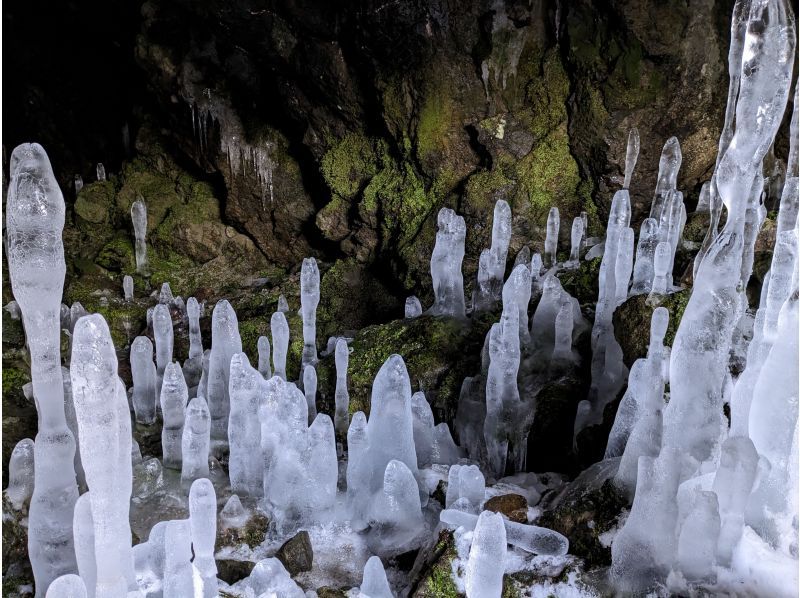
[712, 504]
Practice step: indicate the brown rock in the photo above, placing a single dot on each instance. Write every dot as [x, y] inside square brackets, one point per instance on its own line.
[230, 571]
[296, 553]
[513, 506]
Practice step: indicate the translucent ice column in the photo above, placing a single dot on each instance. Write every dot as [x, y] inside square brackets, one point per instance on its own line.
[310, 390]
[280, 343]
[423, 428]
[492, 264]
[95, 391]
[551, 239]
[203, 525]
[501, 429]
[35, 253]
[195, 441]
[576, 238]
[413, 308]
[374, 583]
[645, 254]
[177, 564]
[341, 396]
[20, 474]
[309, 299]
[448, 253]
[390, 431]
[697, 541]
[143, 371]
[127, 288]
[246, 465]
[487, 555]
[264, 357]
[139, 218]
[164, 337]
[631, 155]
[195, 338]
[517, 295]
[174, 396]
[225, 343]
[67, 586]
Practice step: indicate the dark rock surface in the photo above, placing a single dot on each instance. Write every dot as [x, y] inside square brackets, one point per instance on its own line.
[296, 553]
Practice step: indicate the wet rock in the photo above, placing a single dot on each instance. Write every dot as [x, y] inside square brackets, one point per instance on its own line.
[296, 554]
[632, 323]
[584, 510]
[231, 570]
[513, 506]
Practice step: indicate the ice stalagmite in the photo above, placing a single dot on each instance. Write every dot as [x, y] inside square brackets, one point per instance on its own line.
[668, 166]
[536, 274]
[492, 265]
[631, 155]
[101, 172]
[551, 240]
[715, 210]
[323, 471]
[645, 254]
[165, 295]
[390, 431]
[310, 390]
[661, 283]
[246, 468]
[697, 541]
[280, 343]
[174, 396]
[225, 343]
[94, 385]
[195, 441]
[83, 530]
[35, 253]
[471, 485]
[562, 347]
[396, 518]
[143, 371]
[733, 483]
[487, 555]
[139, 218]
[643, 551]
[501, 427]
[78, 181]
[264, 357]
[448, 253]
[341, 396]
[195, 337]
[67, 586]
[203, 526]
[359, 475]
[164, 337]
[309, 299]
[20, 474]
[413, 308]
[623, 265]
[608, 370]
[127, 288]
[374, 583]
[576, 238]
[423, 428]
[517, 295]
[177, 564]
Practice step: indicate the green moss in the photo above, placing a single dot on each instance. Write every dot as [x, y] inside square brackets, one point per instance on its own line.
[438, 580]
[348, 164]
[95, 202]
[13, 381]
[250, 330]
[118, 255]
[582, 282]
[158, 190]
[435, 118]
[549, 174]
[546, 93]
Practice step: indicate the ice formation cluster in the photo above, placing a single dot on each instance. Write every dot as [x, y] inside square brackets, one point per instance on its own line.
[713, 502]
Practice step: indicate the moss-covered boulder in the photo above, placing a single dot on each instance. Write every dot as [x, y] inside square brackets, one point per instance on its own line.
[432, 575]
[438, 352]
[586, 509]
[632, 323]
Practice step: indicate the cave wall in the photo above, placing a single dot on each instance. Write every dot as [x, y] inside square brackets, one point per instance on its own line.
[340, 129]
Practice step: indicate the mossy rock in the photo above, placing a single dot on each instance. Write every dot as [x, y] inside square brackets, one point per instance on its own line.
[436, 572]
[16, 566]
[583, 281]
[348, 164]
[438, 352]
[118, 255]
[95, 203]
[19, 414]
[582, 514]
[632, 323]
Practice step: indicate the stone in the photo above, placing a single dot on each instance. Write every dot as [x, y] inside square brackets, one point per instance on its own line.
[231, 570]
[513, 506]
[296, 554]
